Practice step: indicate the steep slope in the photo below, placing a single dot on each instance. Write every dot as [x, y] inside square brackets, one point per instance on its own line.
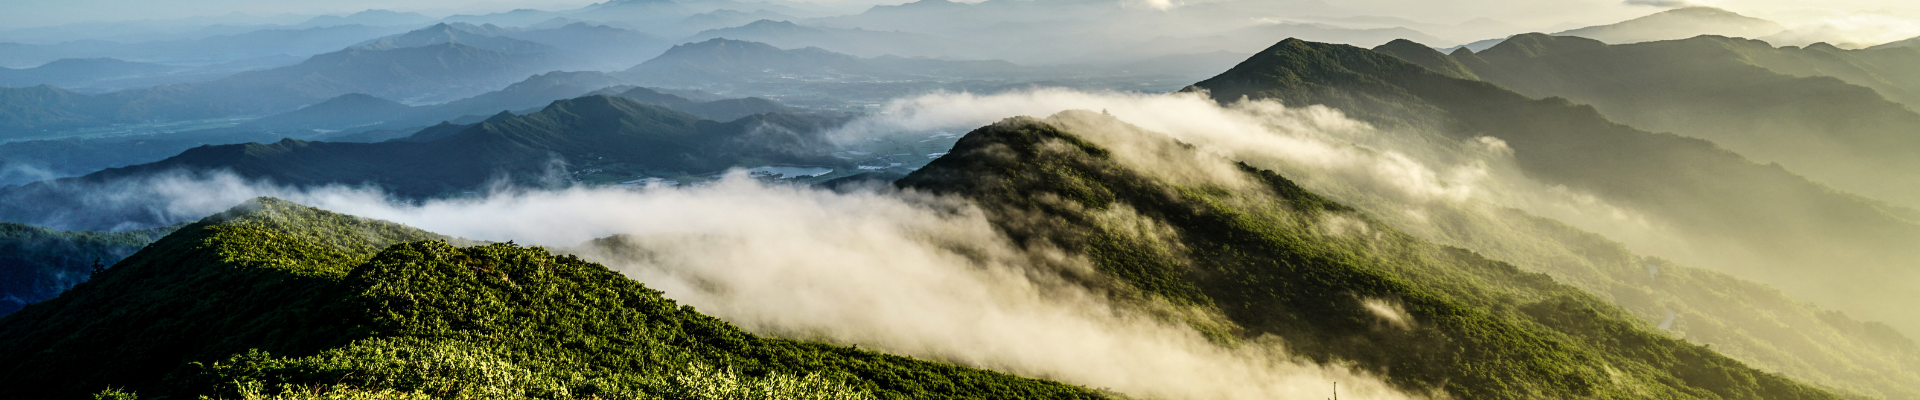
[1679, 23]
[38, 263]
[279, 297]
[1161, 221]
[1771, 105]
[1756, 221]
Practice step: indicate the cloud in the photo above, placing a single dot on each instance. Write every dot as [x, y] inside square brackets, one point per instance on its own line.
[899, 272]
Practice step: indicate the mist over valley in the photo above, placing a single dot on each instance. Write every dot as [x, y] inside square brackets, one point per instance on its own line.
[1084, 199]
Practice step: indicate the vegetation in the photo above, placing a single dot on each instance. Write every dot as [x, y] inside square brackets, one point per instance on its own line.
[1759, 221]
[276, 300]
[1276, 259]
[1834, 115]
[38, 263]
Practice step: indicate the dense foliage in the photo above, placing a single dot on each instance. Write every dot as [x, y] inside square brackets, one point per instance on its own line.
[1761, 221]
[276, 300]
[1335, 285]
[38, 263]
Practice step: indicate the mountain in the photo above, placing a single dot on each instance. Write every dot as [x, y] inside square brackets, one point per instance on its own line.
[368, 18]
[1261, 256]
[42, 108]
[275, 297]
[1756, 221]
[28, 161]
[717, 110]
[1204, 64]
[726, 60]
[1242, 40]
[1769, 104]
[534, 92]
[1679, 23]
[413, 74]
[517, 17]
[346, 111]
[39, 263]
[206, 50]
[595, 47]
[483, 36]
[80, 72]
[539, 149]
[858, 42]
[1910, 42]
[719, 19]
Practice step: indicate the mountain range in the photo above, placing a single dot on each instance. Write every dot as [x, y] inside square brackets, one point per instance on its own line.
[1840, 117]
[1678, 23]
[1760, 222]
[538, 149]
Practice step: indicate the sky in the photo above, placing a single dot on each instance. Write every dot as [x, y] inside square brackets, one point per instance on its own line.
[1533, 14]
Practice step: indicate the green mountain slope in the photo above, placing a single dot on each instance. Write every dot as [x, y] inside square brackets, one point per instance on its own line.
[1171, 224]
[38, 263]
[1769, 104]
[1759, 222]
[275, 297]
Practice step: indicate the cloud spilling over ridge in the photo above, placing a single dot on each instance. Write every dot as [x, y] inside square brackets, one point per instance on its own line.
[1403, 177]
[900, 272]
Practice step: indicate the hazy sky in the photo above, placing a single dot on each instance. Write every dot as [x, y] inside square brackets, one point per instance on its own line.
[1541, 13]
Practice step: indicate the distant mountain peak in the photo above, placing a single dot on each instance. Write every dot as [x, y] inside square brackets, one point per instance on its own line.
[1679, 23]
[503, 116]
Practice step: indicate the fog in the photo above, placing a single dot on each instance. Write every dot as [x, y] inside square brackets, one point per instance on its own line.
[898, 272]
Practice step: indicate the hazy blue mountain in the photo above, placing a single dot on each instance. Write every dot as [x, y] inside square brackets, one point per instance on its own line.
[719, 19]
[347, 111]
[727, 60]
[595, 47]
[23, 162]
[369, 18]
[413, 74]
[518, 17]
[857, 42]
[77, 72]
[581, 133]
[202, 51]
[717, 110]
[1679, 23]
[479, 36]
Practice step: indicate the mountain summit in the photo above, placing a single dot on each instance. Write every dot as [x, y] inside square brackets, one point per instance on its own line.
[1679, 23]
